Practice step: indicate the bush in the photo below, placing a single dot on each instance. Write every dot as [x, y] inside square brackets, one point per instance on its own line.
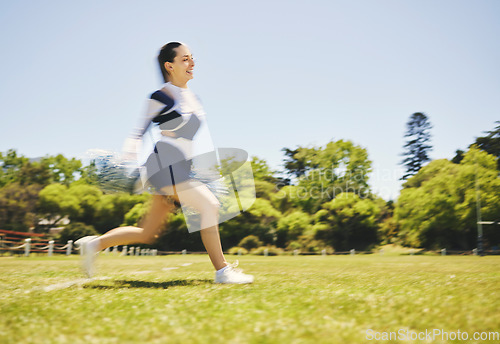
[271, 250]
[75, 231]
[236, 249]
[250, 242]
[308, 244]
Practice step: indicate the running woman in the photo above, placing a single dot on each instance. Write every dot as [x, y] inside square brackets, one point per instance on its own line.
[175, 117]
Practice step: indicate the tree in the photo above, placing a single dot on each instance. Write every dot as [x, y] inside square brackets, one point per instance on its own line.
[262, 172]
[62, 169]
[260, 220]
[437, 206]
[250, 242]
[491, 143]
[55, 202]
[340, 166]
[459, 155]
[291, 226]
[75, 231]
[42, 171]
[112, 209]
[417, 144]
[296, 163]
[10, 165]
[18, 206]
[86, 204]
[348, 222]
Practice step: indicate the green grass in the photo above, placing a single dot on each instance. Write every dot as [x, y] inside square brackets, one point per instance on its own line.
[305, 299]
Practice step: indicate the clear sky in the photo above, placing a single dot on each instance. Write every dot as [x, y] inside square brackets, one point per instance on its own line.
[271, 74]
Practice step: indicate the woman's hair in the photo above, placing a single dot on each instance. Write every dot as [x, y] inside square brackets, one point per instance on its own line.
[167, 54]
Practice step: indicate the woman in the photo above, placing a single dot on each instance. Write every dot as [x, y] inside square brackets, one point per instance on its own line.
[176, 117]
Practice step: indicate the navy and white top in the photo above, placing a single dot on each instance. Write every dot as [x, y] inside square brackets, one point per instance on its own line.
[164, 106]
[172, 131]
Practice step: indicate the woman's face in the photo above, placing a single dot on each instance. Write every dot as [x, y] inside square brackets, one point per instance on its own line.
[181, 70]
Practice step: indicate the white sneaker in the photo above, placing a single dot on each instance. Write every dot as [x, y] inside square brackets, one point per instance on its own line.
[231, 275]
[88, 251]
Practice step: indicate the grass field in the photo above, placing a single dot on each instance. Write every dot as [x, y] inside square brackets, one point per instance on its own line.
[304, 299]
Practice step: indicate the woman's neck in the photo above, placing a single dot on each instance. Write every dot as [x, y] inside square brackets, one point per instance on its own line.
[178, 83]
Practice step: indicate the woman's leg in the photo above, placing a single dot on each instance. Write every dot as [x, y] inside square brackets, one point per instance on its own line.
[199, 197]
[152, 225]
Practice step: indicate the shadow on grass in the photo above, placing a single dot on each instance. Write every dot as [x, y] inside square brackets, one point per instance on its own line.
[118, 284]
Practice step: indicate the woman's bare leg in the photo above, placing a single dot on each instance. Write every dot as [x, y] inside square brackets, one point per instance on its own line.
[200, 198]
[203, 200]
[152, 225]
[211, 240]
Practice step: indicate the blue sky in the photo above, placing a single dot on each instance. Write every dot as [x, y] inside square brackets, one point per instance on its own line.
[271, 74]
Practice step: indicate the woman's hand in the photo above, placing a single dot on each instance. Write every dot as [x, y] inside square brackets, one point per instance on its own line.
[131, 147]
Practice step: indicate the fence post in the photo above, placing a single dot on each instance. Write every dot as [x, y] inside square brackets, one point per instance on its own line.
[295, 252]
[266, 252]
[51, 247]
[239, 251]
[106, 251]
[352, 252]
[184, 251]
[443, 252]
[155, 251]
[69, 248]
[124, 250]
[27, 247]
[130, 251]
[412, 252]
[137, 251]
[381, 251]
[474, 251]
[115, 250]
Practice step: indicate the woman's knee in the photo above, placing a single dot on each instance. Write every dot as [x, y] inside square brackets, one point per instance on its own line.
[148, 237]
[210, 206]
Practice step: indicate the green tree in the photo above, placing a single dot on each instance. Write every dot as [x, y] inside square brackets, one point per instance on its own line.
[437, 206]
[42, 171]
[86, 204]
[388, 228]
[75, 231]
[417, 145]
[491, 143]
[348, 221]
[262, 172]
[11, 164]
[135, 215]
[291, 226]
[112, 209]
[62, 169]
[18, 206]
[340, 166]
[296, 161]
[89, 174]
[249, 242]
[55, 203]
[259, 220]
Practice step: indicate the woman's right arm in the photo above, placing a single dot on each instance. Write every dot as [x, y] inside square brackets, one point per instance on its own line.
[159, 103]
[132, 144]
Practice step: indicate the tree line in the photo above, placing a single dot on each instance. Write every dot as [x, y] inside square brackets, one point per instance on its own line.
[324, 202]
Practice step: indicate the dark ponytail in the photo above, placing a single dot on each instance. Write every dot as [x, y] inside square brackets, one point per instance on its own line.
[167, 54]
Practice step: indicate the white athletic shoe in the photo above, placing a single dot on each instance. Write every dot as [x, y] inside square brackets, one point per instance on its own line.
[231, 275]
[89, 252]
